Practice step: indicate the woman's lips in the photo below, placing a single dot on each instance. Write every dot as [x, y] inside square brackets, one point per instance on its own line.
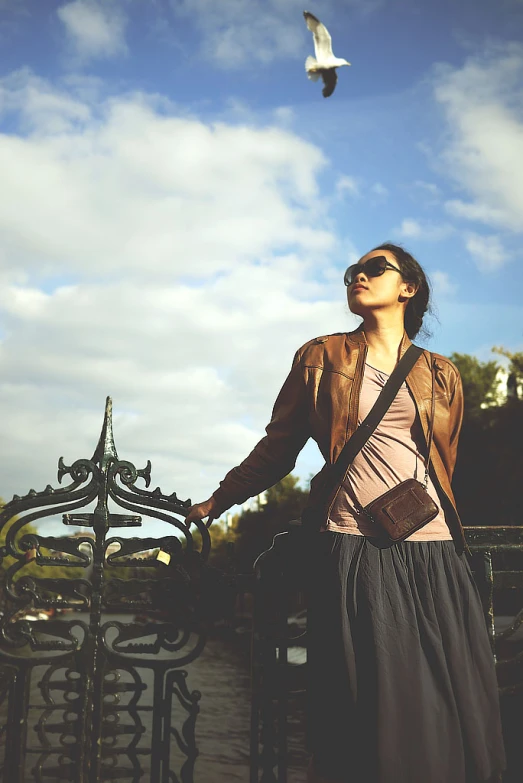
[359, 288]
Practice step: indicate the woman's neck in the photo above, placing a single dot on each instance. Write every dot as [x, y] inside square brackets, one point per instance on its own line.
[383, 341]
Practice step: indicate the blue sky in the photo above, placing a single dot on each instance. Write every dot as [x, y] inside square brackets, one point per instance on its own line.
[178, 204]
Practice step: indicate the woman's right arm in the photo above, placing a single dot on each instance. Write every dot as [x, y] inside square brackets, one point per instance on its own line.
[209, 509]
[273, 457]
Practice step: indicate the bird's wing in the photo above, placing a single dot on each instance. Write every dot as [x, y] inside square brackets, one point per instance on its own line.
[322, 39]
[330, 77]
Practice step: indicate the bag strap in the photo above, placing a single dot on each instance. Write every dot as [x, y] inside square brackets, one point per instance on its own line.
[362, 433]
[432, 417]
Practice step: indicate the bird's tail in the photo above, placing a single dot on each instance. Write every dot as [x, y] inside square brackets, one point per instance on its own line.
[311, 66]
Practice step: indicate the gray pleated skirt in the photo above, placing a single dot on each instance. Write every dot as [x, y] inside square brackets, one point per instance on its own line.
[401, 679]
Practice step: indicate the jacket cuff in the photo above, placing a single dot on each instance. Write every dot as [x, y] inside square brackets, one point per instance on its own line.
[223, 500]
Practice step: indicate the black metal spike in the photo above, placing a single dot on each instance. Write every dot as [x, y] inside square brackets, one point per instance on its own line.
[105, 451]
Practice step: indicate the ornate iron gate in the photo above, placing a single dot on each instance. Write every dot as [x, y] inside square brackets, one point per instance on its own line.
[87, 698]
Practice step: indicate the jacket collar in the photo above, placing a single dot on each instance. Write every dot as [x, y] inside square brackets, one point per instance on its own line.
[358, 336]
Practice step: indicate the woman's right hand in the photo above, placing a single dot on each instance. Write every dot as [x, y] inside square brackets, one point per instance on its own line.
[207, 509]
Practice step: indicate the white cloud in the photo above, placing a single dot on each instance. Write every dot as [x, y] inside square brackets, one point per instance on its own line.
[193, 371]
[235, 32]
[122, 186]
[427, 187]
[410, 228]
[478, 212]
[170, 263]
[430, 232]
[94, 29]
[442, 284]
[424, 194]
[379, 189]
[483, 105]
[284, 115]
[487, 251]
[347, 185]
[39, 107]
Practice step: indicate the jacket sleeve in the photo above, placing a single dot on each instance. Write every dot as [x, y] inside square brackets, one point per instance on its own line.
[275, 454]
[456, 405]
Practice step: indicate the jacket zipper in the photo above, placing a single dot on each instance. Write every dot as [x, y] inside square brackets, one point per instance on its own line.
[354, 402]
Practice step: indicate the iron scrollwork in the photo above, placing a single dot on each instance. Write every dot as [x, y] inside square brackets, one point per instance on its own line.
[99, 695]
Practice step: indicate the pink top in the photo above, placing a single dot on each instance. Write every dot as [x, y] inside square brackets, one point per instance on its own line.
[392, 454]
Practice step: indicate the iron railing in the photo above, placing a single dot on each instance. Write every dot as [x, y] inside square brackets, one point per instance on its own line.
[497, 562]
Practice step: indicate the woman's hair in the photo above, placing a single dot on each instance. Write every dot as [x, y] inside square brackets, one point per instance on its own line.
[420, 303]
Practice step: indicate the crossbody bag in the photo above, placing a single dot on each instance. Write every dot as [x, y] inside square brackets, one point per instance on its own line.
[405, 508]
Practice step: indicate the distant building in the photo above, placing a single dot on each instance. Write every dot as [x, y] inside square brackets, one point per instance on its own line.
[255, 503]
[507, 387]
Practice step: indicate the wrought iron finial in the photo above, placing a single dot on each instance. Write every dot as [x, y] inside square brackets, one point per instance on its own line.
[105, 451]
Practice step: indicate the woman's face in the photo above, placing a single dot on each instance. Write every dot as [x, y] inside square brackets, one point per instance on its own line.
[389, 290]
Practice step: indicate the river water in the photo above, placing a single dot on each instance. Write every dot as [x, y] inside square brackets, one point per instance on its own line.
[222, 675]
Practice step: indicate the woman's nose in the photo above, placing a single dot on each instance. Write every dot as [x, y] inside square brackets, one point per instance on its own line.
[360, 277]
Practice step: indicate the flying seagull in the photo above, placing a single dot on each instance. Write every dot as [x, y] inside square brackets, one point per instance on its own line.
[324, 64]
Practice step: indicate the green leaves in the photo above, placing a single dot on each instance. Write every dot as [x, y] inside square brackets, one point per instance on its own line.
[489, 467]
[479, 382]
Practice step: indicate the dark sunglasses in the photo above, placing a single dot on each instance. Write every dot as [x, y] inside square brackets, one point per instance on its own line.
[374, 267]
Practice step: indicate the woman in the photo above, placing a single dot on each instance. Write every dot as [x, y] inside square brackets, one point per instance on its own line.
[402, 685]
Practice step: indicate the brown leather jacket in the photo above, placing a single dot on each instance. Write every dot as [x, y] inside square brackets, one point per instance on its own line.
[320, 399]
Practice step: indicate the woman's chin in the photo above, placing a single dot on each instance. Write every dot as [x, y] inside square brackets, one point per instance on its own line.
[357, 309]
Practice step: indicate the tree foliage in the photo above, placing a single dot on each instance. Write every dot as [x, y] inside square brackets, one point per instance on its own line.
[479, 381]
[489, 467]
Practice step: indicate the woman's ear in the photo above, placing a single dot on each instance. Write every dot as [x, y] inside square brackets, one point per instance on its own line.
[408, 290]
